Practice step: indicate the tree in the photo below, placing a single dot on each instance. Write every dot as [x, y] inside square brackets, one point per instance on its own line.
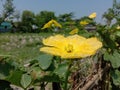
[66, 17]
[109, 16]
[16, 15]
[8, 9]
[43, 17]
[27, 20]
[66, 20]
[27, 16]
[116, 8]
[113, 13]
[116, 5]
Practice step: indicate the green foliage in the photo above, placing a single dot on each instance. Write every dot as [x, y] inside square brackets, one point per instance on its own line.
[50, 78]
[45, 61]
[25, 80]
[5, 69]
[115, 77]
[8, 9]
[43, 17]
[105, 35]
[109, 15]
[110, 37]
[118, 33]
[114, 58]
[27, 21]
[15, 77]
[66, 17]
[27, 16]
[61, 70]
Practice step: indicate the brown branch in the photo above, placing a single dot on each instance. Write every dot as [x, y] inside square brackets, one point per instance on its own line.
[94, 80]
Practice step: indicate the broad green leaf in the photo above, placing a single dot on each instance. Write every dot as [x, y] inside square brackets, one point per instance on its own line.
[61, 70]
[115, 77]
[107, 56]
[15, 77]
[5, 69]
[45, 61]
[113, 58]
[25, 80]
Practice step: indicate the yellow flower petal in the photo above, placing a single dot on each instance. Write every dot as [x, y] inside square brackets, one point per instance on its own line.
[52, 23]
[83, 23]
[74, 31]
[54, 40]
[94, 43]
[89, 47]
[57, 41]
[51, 50]
[93, 15]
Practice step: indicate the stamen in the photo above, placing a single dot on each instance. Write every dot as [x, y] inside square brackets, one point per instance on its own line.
[69, 48]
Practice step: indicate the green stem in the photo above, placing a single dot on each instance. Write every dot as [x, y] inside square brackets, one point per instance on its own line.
[67, 75]
[66, 80]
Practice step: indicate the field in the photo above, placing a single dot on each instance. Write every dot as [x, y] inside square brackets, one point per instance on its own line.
[23, 47]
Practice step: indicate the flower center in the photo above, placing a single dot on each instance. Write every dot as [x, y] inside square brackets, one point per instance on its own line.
[69, 48]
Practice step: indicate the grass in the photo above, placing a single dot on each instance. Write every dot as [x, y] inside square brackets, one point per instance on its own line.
[23, 47]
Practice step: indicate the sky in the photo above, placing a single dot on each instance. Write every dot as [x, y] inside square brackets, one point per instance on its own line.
[80, 8]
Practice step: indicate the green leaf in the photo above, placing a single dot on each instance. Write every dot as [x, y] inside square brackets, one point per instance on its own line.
[26, 80]
[61, 70]
[108, 41]
[107, 56]
[115, 77]
[113, 58]
[15, 77]
[45, 61]
[5, 69]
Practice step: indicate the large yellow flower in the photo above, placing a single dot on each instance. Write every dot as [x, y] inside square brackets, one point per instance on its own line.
[93, 15]
[74, 46]
[52, 23]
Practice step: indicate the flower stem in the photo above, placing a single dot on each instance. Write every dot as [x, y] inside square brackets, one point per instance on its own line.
[66, 80]
[67, 75]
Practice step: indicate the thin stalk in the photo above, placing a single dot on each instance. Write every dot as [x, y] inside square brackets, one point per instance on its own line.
[66, 80]
[67, 75]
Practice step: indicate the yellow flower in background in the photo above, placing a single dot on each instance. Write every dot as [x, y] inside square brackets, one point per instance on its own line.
[83, 23]
[93, 15]
[118, 27]
[52, 23]
[74, 31]
[74, 46]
